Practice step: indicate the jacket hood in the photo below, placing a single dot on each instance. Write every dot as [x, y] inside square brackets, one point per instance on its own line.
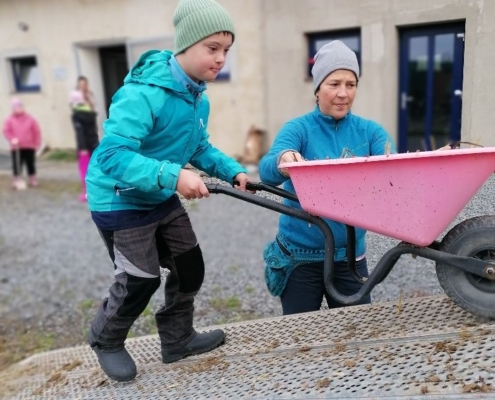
[152, 68]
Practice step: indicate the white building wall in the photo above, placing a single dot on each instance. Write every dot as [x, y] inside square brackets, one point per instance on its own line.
[290, 93]
[65, 36]
[268, 84]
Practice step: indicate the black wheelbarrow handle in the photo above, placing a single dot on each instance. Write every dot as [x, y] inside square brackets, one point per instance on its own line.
[267, 203]
[255, 186]
[319, 222]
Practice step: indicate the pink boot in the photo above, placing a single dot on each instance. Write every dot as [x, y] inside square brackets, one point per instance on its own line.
[83, 158]
[16, 183]
[33, 182]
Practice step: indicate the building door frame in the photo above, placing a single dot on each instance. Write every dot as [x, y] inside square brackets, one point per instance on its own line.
[419, 92]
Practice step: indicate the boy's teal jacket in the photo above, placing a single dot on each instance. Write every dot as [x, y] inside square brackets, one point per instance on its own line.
[156, 126]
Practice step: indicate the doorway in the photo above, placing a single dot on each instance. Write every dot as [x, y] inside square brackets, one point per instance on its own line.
[430, 86]
[114, 69]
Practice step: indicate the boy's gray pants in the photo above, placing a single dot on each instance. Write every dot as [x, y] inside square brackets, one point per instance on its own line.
[137, 254]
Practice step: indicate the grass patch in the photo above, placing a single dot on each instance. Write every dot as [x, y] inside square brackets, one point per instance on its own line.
[229, 303]
[193, 205]
[58, 186]
[61, 155]
[23, 345]
[143, 326]
[49, 187]
[86, 305]
[148, 311]
[233, 268]
[249, 289]
[216, 289]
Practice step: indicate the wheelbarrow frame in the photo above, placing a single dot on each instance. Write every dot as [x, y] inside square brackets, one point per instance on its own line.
[384, 265]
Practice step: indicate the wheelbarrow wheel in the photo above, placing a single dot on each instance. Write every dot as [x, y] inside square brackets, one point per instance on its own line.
[474, 237]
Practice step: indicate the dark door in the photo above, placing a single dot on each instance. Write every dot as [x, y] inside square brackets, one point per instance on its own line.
[114, 69]
[430, 87]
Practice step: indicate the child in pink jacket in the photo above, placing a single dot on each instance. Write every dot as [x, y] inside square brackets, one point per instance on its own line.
[23, 134]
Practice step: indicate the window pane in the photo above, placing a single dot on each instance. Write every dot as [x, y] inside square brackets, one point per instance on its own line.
[351, 38]
[350, 41]
[225, 71]
[26, 73]
[416, 96]
[29, 75]
[442, 93]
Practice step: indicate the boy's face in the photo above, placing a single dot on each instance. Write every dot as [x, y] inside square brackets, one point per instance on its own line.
[204, 60]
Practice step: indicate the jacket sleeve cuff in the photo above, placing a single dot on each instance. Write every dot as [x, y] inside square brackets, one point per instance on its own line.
[282, 153]
[168, 176]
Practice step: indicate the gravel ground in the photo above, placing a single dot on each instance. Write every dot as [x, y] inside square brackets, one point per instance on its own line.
[54, 268]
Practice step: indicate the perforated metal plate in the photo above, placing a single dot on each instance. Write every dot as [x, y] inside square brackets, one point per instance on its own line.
[425, 348]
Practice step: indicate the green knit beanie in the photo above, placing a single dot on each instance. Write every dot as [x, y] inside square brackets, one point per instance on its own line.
[195, 20]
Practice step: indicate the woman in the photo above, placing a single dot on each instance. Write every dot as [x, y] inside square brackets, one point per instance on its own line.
[85, 127]
[295, 259]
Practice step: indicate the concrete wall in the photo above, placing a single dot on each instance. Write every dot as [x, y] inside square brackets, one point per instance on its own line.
[268, 84]
[65, 36]
[290, 92]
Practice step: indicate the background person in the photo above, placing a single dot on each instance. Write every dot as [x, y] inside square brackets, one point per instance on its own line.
[23, 133]
[85, 126]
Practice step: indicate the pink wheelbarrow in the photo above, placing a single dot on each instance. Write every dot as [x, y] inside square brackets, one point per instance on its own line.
[412, 197]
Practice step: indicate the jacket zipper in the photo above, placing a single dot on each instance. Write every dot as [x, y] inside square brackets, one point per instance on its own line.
[194, 132]
[117, 191]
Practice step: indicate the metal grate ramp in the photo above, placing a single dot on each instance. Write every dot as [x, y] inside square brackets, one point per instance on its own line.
[424, 348]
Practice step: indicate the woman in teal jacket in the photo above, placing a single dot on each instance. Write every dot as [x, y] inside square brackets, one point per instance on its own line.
[158, 124]
[294, 261]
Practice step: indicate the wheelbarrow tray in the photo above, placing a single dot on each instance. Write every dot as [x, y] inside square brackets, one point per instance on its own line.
[412, 197]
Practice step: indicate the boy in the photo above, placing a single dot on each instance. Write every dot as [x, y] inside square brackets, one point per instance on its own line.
[157, 125]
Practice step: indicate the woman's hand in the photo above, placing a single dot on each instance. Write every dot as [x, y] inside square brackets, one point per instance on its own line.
[287, 157]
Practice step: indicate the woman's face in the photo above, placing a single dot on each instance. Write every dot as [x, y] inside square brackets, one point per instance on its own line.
[336, 93]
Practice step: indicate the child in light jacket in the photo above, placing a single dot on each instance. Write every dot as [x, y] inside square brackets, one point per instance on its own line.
[24, 136]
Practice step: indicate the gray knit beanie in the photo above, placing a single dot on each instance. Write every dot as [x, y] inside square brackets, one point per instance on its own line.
[195, 20]
[331, 57]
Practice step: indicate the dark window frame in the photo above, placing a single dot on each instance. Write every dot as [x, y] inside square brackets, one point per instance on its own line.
[328, 36]
[223, 76]
[21, 62]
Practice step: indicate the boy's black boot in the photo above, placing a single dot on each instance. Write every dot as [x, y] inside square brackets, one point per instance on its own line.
[201, 343]
[116, 362]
